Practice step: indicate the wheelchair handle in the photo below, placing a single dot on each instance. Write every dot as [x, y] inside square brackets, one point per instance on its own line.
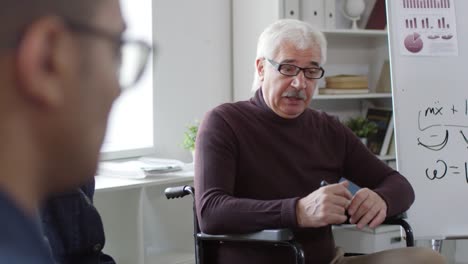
[178, 192]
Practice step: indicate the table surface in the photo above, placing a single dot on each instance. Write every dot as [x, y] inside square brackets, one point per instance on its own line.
[106, 183]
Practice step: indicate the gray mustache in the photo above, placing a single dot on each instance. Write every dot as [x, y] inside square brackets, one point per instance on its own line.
[295, 94]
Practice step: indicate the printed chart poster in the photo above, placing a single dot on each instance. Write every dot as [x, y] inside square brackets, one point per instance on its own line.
[427, 27]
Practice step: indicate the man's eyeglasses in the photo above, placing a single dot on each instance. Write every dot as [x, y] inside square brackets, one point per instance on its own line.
[293, 70]
[133, 54]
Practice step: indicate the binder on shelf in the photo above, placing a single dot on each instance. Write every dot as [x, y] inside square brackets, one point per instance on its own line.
[290, 9]
[378, 16]
[315, 15]
[388, 137]
[384, 84]
[391, 147]
[330, 14]
[365, 16]
[381, 117]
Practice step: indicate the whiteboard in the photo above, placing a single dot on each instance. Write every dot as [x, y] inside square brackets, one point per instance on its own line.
[430, 92]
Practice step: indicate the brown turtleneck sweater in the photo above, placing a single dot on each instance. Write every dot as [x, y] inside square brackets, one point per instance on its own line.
[252, 166]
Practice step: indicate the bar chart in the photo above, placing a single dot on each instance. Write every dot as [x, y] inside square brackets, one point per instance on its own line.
[427, 27]
[424, 23]
[427, 4]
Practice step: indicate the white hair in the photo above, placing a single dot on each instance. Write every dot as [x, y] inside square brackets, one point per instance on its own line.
[301, 34]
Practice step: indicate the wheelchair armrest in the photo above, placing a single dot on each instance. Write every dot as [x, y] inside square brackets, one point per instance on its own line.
[283, 236]
[400, 220]
[267, 235]
[394, 220]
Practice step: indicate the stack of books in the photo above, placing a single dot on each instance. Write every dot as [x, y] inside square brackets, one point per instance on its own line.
[345, 84]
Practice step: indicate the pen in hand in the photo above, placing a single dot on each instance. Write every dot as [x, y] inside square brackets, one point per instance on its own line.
[323, 183]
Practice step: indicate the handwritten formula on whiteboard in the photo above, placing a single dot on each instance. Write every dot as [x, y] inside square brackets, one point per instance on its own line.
[442, 128]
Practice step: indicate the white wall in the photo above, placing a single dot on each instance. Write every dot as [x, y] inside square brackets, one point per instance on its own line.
[250, 17]
[192, 68]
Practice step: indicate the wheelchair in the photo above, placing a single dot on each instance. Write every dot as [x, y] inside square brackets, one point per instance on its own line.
[274, 237]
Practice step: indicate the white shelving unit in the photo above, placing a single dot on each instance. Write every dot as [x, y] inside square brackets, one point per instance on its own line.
[355, 52]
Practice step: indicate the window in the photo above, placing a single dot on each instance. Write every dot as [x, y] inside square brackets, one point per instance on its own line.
[130, 130]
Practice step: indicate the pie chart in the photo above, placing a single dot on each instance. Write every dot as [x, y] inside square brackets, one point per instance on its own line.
[413, 43]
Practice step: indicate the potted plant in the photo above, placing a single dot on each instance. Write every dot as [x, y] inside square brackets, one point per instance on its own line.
[362, 127]
[190, 136]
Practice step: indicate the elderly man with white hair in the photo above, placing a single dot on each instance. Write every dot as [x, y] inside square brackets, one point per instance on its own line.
[260, 162]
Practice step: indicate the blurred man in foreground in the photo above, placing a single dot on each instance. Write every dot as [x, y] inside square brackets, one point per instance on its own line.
[59, 64]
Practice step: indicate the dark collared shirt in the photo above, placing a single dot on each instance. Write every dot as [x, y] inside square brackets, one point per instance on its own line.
[20, 237]
[74, 229]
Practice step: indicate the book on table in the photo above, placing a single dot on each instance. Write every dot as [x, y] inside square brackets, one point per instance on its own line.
[382, 118]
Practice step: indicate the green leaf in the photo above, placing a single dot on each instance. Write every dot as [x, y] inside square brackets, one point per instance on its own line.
[362, 127]
[190, 136]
